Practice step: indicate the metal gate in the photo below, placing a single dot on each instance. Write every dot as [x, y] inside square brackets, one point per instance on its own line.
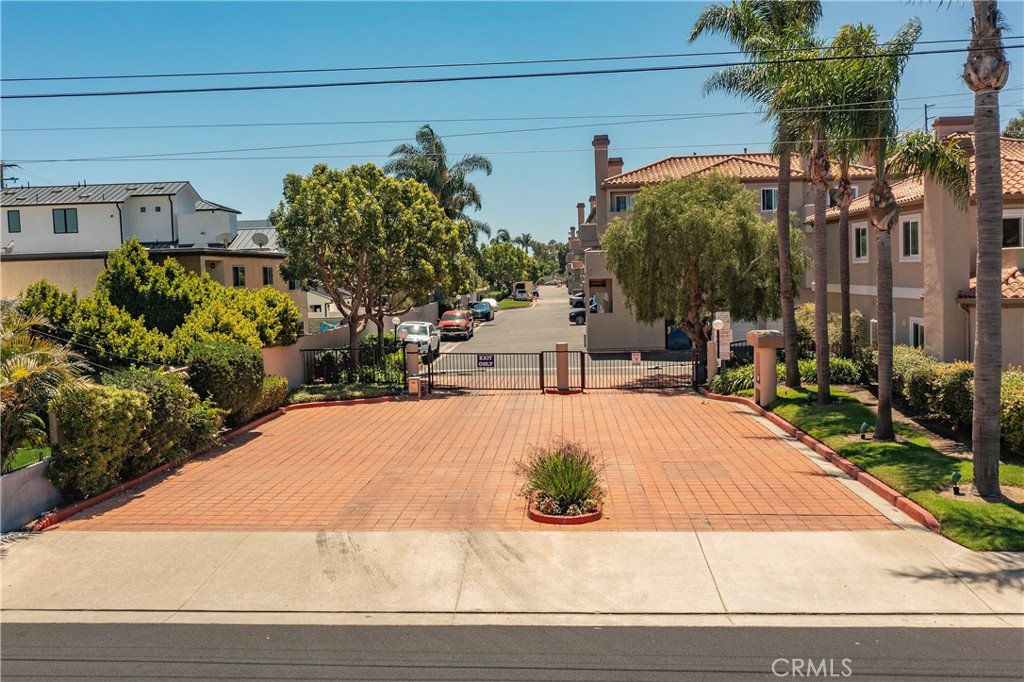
[631, 371]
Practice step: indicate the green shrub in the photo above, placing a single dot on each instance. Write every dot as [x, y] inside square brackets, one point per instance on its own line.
[841, 371]
[229, 373]
[563, 479]
[273, 313]
[166, 434]
[109, 335]
[102, 428]
[904, 360]
[805, 327]
[45, 300]
[204, 420]
[496, 295]
[733, 380]
[1011, 409]
[921, 387]
[272, 396]
[956, 393]
[370, 341]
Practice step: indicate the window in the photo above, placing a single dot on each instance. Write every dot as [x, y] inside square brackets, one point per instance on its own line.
[238, 275]
[1012, 237]
[860, 243]
[142, 209]
[622, 203]
[65, 221]
[268, 276]
[292, 285]
[156, 208]
[769, 199]
[14, 222]
[916, 332]
[910, 239]
[600, 296]
[315, 307]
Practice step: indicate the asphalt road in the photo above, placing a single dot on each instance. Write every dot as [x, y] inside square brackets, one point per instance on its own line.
[592, 654]
[525, 330]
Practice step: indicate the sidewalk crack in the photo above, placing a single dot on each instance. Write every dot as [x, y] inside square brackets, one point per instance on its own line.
[212, 573]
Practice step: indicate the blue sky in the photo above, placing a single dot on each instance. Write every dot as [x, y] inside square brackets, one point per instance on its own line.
[538, 175]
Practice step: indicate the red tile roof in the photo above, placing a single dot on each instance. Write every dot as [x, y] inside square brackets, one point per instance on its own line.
[758, 166]
[1013, 285]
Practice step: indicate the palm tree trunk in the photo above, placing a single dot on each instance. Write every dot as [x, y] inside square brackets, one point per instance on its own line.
[786, 271]
[986, 72]
[819, 180]
[846, 343]
[883, 426]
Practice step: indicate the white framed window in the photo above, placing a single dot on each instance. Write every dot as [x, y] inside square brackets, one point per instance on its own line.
[910, 239]
[1013, 229]
[916, 332]
[622, 202]
[859, 238]
[769, 198]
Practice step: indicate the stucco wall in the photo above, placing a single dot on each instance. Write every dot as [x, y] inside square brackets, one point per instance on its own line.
[151, 225]
[66, 274]
[99, 229]
[26, 494]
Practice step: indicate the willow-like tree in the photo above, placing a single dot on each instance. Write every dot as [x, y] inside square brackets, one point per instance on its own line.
[374, 243]
[694, 246]
[767, 30]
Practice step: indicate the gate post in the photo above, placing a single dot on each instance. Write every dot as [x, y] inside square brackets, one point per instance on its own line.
[541, 357]
[583, 371]
[562, 366]
[412, 368]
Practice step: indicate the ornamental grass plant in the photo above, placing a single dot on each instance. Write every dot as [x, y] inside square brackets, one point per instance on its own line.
[563, 478]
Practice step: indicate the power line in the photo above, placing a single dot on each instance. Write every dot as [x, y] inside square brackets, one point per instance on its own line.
[402, 67]
[479, 77]
[94, 340]
[193, 155]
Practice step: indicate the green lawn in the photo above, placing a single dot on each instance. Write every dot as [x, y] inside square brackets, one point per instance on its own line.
[312, 393]
[25, 456]
[507, 303]
[912, 467]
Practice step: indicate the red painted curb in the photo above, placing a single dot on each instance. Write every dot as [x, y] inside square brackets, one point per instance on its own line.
[561, 391]
[67, 512]
[890, 495]
[540, 517]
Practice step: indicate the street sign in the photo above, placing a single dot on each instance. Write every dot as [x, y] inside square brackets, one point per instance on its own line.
[485, 360]
[636, 358]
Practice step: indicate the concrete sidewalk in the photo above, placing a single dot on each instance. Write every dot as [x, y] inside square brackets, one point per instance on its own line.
[422, 577]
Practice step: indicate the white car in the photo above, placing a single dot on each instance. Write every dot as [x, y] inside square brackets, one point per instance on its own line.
[491, 302]
[424, 334]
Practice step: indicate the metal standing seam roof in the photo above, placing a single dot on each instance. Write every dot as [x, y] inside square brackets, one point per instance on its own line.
[243, 240]
[87, 194]
[204, 205]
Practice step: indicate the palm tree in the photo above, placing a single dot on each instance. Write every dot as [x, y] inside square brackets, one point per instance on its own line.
[985, 73]
[762, 28]
[869, 113]
[525, 240]
[846, 151]
[33, 369]
[502, 236]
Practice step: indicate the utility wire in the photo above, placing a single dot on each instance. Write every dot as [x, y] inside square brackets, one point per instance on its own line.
[482, 77]
[513, 62]
[94, 340]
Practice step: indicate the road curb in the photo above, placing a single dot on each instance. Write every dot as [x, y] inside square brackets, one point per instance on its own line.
[64, 513]
[890, 495]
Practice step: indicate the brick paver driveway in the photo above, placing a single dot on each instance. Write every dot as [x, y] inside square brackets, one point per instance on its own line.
[673, 462]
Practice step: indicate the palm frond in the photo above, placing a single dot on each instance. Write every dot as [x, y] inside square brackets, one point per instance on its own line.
[918, 154]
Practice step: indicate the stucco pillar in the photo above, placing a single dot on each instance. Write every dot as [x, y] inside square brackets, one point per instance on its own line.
[601, 143]
[562, 366]
[712, 360]
[766, 344]
[412, 368]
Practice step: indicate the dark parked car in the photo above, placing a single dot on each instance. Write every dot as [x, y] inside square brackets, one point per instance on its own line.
[578, 315]
[481, 311]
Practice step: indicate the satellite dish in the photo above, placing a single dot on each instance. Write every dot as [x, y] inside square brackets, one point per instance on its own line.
[224, 238]
[260, 239]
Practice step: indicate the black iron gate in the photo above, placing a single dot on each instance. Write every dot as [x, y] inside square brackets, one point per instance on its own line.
[632, 371]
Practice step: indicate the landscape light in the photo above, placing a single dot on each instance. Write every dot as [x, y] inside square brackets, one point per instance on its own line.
[864, 431]
[955, 479]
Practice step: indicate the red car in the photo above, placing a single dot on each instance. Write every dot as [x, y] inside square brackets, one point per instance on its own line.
[456, 323]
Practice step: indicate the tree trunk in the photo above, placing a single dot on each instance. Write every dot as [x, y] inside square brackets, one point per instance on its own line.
[353, 343]
[843, 195]
[883, 426]
[786, 271]
[986, 72]
[819, 181]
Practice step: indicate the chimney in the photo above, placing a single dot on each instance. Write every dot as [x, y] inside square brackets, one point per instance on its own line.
[593, 202]
[614, 166]
[601, 143]
[581, 215]
[572, 232]
[953, 125]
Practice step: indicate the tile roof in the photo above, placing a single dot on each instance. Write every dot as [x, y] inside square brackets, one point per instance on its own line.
[757, 166]
[87, 194]
[1011, 152]
[1013, 285]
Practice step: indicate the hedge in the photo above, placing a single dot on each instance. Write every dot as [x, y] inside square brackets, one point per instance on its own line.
[1011, 405]
[272, 396]
[735, 379]
[103, 428]
[229, 373]
[166, 434]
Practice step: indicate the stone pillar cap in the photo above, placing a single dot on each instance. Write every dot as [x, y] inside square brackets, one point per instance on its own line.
[765, 338]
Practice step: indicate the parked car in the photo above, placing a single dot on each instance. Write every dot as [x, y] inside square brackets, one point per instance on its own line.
[578, 316]
[491, 302]
[456, 323]
[523, 291]
[576, 301]
[481, 311]
[424, 334]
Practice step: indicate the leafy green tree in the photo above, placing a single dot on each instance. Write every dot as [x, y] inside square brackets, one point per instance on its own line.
[1015, 126]
[503, 264]
[33, 370]
[694, 246]
[763, 29]
[363, 236]
[986, 72]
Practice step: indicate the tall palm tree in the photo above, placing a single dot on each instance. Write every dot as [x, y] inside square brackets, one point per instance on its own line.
[33, 369]
[525, 240]
[846, 151]
[502, 236]
[874, 120]
[762, 28]
[986, 72]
